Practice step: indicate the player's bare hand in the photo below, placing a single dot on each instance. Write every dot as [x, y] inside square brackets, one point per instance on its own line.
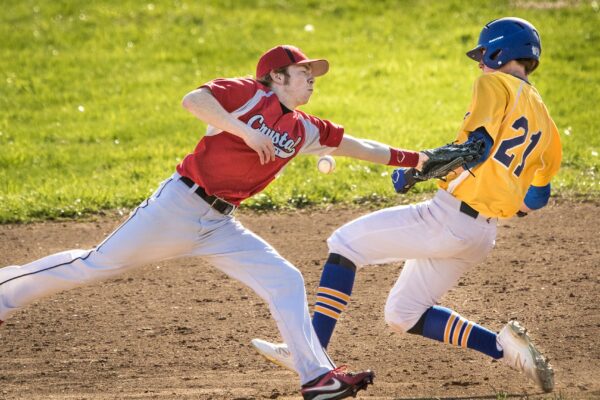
[261, 144]
[422, 158]
[525, 209]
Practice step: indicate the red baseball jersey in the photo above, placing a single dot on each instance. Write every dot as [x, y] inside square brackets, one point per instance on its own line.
[226, 167]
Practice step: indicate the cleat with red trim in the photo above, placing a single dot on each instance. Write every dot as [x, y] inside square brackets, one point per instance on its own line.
[337, 384]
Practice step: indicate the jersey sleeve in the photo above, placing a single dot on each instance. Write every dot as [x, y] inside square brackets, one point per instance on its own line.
[488, 105]
[322, 136]
[551, 158]
[232, 93]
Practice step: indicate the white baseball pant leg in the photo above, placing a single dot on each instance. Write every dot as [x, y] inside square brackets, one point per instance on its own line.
[143, 237]
[437, 240]
[175, 222]
[246, 257]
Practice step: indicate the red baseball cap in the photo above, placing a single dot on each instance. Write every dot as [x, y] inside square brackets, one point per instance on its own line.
[284, 55]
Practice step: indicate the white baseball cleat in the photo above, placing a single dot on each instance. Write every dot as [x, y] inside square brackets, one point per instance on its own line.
[277, 353]
[520, 354]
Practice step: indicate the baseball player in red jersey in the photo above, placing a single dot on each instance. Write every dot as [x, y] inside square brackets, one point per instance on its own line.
[443, 238]
[254, 130]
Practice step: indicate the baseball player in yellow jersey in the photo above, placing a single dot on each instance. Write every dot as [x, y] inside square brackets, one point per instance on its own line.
[524, 141]
[443, 238]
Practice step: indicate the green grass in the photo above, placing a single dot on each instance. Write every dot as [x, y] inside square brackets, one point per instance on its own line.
[398, 75]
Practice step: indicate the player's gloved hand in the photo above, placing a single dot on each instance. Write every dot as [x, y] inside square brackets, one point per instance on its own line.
[445, 159]
[441, 161]
[404, 179]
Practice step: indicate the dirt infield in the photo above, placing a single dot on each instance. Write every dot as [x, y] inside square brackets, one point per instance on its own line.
[181, 329]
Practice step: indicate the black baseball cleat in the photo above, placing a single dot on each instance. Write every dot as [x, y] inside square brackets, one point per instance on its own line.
[337, 384]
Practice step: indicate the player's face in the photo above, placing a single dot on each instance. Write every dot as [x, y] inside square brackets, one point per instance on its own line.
[485, 69]
[300, 83]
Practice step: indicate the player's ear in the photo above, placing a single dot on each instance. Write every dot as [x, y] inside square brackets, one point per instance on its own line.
[277, 77]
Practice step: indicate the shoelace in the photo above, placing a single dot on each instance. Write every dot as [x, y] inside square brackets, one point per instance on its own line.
[342, 369]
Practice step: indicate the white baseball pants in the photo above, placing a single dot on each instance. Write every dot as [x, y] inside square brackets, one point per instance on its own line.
[175, 222]
[437, 240]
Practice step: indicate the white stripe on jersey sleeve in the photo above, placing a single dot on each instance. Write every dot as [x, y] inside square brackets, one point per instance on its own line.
[311, 142]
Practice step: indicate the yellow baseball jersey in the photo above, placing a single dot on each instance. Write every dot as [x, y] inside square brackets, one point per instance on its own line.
[526, 149]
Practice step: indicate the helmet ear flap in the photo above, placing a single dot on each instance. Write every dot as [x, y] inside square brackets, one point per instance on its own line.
[493, 58]
[495, 55]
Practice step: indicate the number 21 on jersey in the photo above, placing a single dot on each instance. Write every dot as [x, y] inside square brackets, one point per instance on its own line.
[508, 148]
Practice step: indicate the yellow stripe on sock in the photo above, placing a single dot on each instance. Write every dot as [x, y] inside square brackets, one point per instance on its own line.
[336, 304]
[465, 337]
[327, 312]
[334, 292]
[459, 325]
[448, 327]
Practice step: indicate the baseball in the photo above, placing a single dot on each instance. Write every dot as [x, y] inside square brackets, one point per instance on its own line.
[326, 164]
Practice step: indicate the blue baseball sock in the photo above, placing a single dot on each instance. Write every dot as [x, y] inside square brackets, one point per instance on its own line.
[445, 325]
[333, 295]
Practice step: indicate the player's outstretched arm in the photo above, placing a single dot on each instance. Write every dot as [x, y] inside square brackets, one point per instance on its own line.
[442, 161]
[379, 153]
[205, 107]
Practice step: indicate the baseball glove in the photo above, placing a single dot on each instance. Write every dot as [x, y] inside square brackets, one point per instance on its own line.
[442, 161]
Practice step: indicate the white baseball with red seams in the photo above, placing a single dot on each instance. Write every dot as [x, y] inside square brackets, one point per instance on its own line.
[326, 164]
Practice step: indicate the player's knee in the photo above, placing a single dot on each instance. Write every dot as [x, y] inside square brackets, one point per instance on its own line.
[397, 322]
[293, 279]
[400, 317]
[334, 241]
[338, 243]
[110, 260]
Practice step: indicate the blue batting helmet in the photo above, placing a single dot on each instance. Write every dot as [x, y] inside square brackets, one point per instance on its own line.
[507, 39]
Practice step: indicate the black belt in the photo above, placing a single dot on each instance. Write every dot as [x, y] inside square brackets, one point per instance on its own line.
[217, 203]
[467, 209]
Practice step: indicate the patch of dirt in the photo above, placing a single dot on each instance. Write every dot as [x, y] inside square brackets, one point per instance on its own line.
[182, 330]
